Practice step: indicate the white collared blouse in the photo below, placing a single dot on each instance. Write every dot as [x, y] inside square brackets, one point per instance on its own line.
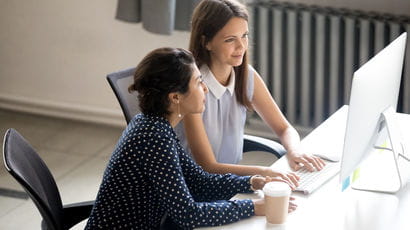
[224, 117]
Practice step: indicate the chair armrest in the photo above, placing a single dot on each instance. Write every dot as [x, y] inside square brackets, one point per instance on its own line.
[77, 212]
[254, 143]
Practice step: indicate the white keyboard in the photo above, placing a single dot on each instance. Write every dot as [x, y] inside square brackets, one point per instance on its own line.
[310, 181]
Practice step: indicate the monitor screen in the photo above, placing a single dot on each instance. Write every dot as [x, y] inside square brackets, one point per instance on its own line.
[375, 88]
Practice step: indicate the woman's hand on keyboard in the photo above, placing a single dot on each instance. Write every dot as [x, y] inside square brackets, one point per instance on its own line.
[289, 177]
[298, 160]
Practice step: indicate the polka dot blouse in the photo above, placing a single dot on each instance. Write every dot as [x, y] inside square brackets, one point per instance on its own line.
[149, 174]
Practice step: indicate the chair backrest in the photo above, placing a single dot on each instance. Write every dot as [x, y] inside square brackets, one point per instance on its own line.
[119, 82]
[25, 165]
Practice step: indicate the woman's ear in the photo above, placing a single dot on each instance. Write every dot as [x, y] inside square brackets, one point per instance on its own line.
[173, 97]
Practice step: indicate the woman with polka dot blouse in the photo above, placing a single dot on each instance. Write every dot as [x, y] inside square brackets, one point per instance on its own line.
[150, 175]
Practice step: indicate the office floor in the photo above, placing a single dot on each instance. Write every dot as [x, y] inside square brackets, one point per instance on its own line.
[75, 152]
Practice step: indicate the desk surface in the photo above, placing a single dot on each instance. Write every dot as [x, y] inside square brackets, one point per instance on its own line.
[329, 207]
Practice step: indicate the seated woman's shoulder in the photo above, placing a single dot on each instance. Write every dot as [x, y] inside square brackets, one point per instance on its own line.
[144, 128]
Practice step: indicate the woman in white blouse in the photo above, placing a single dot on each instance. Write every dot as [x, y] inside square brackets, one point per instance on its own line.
[219, 43]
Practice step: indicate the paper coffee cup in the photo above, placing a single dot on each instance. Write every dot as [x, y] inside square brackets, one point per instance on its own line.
[276, 201]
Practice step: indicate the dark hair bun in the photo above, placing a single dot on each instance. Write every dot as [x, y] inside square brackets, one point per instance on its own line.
[161, 72]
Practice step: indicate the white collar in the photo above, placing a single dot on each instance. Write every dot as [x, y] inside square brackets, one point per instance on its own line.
[216, 88]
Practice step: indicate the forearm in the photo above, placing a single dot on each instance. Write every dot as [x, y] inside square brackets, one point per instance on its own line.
[290, 139]
[219, 187]
[241, 170]
[206, 186]
[288, 135]
[202, 214]
[270, 112]
[193, 212]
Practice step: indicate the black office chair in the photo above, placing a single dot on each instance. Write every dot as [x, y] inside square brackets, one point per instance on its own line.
[120, 81]
[26, 166]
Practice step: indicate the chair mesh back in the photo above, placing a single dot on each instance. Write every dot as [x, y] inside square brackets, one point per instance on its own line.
[119, 82]
[24, 164]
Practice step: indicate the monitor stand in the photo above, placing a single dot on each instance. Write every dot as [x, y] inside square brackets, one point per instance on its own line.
[387, 167]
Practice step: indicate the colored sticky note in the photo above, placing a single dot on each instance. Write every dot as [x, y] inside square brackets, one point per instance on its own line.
[346, 183]
[356, 174]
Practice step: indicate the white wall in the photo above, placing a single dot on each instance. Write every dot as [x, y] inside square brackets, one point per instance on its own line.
[55, 54]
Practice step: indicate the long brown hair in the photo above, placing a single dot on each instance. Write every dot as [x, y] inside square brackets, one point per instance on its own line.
[208, 18]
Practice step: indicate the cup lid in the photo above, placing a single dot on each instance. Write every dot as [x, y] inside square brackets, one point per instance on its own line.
[276, 188]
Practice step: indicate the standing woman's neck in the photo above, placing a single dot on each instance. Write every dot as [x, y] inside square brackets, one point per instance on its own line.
[221, 72]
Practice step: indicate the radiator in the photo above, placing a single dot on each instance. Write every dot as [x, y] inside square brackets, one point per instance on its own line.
[307, 55]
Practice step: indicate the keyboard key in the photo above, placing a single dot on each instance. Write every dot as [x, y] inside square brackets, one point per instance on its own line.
[310, 181]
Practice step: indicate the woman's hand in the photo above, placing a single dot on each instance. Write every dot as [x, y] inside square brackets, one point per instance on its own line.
[289, 177]
[259, 206]
[298, 160]
[257, 182]
[292, 206]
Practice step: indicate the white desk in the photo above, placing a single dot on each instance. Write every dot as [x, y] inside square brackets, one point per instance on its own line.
[329, 207]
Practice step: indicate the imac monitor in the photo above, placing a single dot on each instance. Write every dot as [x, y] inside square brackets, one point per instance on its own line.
[371, 116]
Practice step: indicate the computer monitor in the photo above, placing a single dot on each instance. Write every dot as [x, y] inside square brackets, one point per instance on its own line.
[371, 121]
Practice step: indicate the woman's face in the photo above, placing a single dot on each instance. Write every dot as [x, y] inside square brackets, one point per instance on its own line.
[229, 45]
[193, 101]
